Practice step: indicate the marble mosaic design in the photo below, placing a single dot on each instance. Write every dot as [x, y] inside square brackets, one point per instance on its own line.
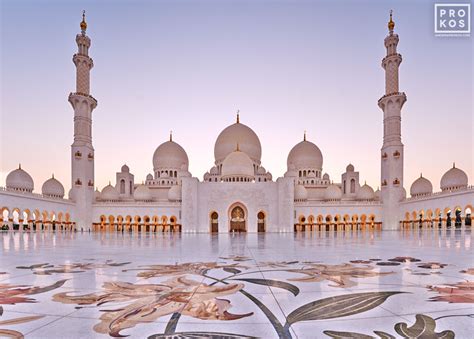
[356, 285]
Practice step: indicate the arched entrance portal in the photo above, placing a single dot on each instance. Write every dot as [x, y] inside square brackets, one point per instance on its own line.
[261, 222]
[214, 222]
[237, 219]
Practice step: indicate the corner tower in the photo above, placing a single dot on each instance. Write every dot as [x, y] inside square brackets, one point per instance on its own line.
[82, 152]
[392, 149]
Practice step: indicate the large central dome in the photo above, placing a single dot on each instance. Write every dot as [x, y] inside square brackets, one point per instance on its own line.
[239, 134]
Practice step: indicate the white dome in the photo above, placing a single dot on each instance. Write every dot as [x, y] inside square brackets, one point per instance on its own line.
[332, 192]
[237, 134]
[109, 193]
[19, 180]
[53, 188]
[214, 170]
[453, 179]
[365, 193]
[300, 192]
[326, 176]
[174, 193]
[305, 155]
[125, 169]
[149, 177]
[421, 186]
[350, 168]
[142, 193]
[237, 164]
[261, 170]
[170, 155]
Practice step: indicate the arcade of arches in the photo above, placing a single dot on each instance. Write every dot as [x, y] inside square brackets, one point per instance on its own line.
[337, 222]
[17, 219]
[137, 223]
[440, 217]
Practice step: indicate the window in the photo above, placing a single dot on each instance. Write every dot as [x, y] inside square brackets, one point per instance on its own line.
[344, 187]
[353, 185]
[122, 186]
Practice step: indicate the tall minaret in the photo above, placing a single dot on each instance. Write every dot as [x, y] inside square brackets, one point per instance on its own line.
[392, 149]
[82, 152]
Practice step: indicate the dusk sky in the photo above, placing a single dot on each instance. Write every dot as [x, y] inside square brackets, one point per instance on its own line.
[188, 66]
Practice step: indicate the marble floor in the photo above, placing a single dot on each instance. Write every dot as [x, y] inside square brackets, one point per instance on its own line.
[345, 285]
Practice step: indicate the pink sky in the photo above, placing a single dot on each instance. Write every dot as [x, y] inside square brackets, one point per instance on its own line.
[188, 66]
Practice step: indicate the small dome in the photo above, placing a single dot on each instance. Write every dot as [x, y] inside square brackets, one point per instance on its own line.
[149, 177]
[453, 179]
[305, 155]
[350, 168]
[52, 188]
[326, 176]
[214, 170]
[421, 186]
[109, 193]
[261, 170]
[174, 193]
[237, 134]
[19, 180]
[170, 155]
[96, 194]
[365, 193]
[142, 193]
[332, 192]
[125, 169]
[237, 164]
[300, 192]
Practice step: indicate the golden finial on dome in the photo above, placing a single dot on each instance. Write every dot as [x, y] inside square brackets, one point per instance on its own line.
[238, 148]
[454, 165]
[238, 116]
[19, 166]
[83, 22]
[304, 135]
[171, 135]
[391, 23]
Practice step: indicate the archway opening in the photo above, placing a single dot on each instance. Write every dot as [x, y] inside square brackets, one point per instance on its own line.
[237, 219]
[261, 222]
[214, 222]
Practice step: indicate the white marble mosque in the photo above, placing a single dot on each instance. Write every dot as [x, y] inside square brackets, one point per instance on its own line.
[237, 193]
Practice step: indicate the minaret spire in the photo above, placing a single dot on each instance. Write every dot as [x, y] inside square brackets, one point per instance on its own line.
[82, 151]
[238, 116]
[392, 153]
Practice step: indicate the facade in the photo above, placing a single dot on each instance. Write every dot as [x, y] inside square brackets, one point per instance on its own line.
[237, 193]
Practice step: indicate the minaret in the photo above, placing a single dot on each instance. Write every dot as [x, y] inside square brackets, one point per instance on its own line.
[392, 149]
[82, 152]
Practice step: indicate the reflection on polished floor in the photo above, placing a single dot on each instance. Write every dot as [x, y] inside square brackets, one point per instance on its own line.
[305, 285]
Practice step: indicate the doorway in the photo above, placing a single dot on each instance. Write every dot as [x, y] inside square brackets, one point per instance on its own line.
[261, 222]
[237, 220]
[214, 222]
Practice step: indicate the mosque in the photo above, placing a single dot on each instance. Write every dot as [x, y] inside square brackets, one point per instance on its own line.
[237, 194]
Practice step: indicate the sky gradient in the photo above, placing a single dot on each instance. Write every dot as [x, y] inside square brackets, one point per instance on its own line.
[188, 66]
